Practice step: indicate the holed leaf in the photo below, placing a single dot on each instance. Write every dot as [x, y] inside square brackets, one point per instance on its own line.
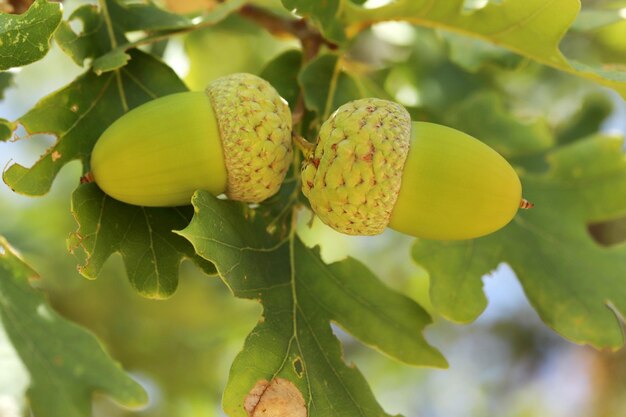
[26, 38]
[301, 295]
[93, 39]
[532, 28]
[102, 36]
[150, 18]
[577, 286]
[103, 30]
[66, 362]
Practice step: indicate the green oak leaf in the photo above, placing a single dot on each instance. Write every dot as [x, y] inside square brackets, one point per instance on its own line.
[25, 38]
[301, 295]
[282, 72]
[99, 27]
[119, 18]
[577, 286]
[148, 17]
[326, 86]
[96, 37]
[78, 114]
[142, 235]
[86, 44]
[67, 364]
[532, 28]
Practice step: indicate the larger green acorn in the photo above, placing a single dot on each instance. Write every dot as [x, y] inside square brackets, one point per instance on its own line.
[233, 138]
[373, 168]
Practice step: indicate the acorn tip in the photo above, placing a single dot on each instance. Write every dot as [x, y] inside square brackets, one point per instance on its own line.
[87, 178]
[525, 204]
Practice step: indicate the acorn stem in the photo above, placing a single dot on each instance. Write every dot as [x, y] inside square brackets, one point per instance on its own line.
[305, 146]
[525, 204]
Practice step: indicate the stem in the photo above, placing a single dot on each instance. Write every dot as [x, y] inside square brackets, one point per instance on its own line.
[332, 87]
[310, 38]
[304, 145]
[108, 23]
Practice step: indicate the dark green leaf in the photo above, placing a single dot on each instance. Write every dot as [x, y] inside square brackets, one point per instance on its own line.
[131, 16]
[282, 73]
[142, 235]
[66, 363]
[26, 38]
[95, 39]
[576, 286]
[301, 295]
[92, 39]
[326, 86]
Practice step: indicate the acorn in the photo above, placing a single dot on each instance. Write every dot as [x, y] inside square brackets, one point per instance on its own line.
[234, 138]
[372, 168]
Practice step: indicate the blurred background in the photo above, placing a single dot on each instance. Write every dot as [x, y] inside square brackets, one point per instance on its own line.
[507, 363]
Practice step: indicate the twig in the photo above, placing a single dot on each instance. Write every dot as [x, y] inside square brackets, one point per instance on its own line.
[311, 41]
[310, 38]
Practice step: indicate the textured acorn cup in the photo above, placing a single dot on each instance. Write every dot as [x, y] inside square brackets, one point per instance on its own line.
[372, 168]
[233, 138]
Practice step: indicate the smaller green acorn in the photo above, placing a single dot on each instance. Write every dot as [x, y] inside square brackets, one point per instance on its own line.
[373, 168]
[233, 138]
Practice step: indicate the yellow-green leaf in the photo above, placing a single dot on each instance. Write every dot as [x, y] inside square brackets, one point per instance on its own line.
[532, 28]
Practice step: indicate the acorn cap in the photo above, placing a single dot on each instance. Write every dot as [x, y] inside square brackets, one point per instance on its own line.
[353, 179]
[255, 129]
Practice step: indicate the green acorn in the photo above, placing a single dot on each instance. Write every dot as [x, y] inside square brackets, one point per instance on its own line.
[373, 168]
[233, 138]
